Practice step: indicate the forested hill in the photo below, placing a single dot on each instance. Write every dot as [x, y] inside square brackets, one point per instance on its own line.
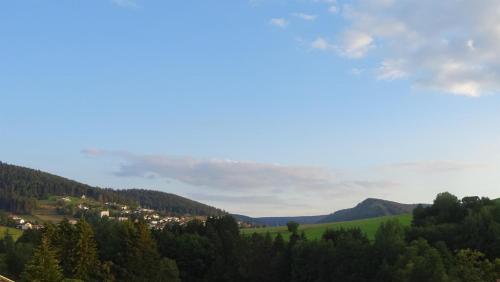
[369, 208]
[21, 187]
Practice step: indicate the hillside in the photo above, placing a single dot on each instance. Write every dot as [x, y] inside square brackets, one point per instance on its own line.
[22, 188]
[369, 208]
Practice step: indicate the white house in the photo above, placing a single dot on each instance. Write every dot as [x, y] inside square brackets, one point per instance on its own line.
[104, 213]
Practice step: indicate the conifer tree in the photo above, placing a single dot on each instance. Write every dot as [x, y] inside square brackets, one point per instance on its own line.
[85, 253]
[44, 266]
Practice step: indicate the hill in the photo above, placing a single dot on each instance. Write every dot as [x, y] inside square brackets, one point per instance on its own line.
[21, 190]
[315, 231]
[369, 208]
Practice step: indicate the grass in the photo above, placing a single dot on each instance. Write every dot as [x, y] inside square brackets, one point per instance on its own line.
[315, 231]
[15, 233]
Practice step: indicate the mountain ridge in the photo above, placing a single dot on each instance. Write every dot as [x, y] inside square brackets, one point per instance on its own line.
[368, 208]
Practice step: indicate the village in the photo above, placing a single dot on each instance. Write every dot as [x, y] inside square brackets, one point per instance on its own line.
[79, 207]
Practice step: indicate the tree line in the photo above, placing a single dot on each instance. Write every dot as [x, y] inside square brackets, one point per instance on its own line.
[451, 240]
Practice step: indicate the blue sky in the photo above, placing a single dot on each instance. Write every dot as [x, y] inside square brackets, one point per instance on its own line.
[258, 107]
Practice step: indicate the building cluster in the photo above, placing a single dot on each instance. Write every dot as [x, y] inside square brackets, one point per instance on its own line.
[23, 224]
[119, 212]
[154, 219]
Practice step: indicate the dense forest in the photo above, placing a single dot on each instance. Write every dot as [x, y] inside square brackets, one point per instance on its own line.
[451, 240]
[20, 188]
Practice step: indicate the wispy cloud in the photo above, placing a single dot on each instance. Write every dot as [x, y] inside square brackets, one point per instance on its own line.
[279, 22]
[353, 44]
[322, 44]
[241, 176]
[219, 173]
[125, 3]
[306, 17]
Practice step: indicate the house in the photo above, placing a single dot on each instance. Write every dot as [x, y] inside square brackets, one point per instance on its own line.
[26, 226]
[82, 207]
[104, 213]
[122, 218]
[72, 221]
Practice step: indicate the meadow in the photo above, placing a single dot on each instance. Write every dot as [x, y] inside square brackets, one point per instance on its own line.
[315, 231]
[15, 233]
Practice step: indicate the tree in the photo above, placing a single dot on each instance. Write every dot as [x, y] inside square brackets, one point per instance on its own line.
[420, 262]
[471, 266]
[143, 257]
[85, 253]
[168, 271]
[44, 266]
[389, 241]
[293, 227]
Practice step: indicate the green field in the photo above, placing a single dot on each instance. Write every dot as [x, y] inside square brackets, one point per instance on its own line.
[315, 231]
[15, 233]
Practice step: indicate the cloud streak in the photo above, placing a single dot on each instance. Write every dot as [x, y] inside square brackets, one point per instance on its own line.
[125, 3]
[219, 173]
[306, 17]
[279, 22]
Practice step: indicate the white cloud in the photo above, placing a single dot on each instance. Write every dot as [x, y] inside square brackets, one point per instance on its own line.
[125, 3]
[320, 43]
[355, 44]
[306, 17]
[333, 9]
[279, 22]
[391, 70]
[446, 45]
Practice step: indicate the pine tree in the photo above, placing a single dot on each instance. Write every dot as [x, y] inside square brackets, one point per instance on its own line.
[143, 258]
[44, 266]
[85, 252]
[65, 243]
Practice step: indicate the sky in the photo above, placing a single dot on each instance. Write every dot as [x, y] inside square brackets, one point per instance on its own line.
[258, 107]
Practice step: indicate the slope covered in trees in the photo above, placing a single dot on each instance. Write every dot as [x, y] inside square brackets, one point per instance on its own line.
[20, 188]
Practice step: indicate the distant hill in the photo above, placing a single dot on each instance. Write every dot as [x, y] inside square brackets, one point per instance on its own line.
[369, 208]
[278, 221]
[21, 187]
